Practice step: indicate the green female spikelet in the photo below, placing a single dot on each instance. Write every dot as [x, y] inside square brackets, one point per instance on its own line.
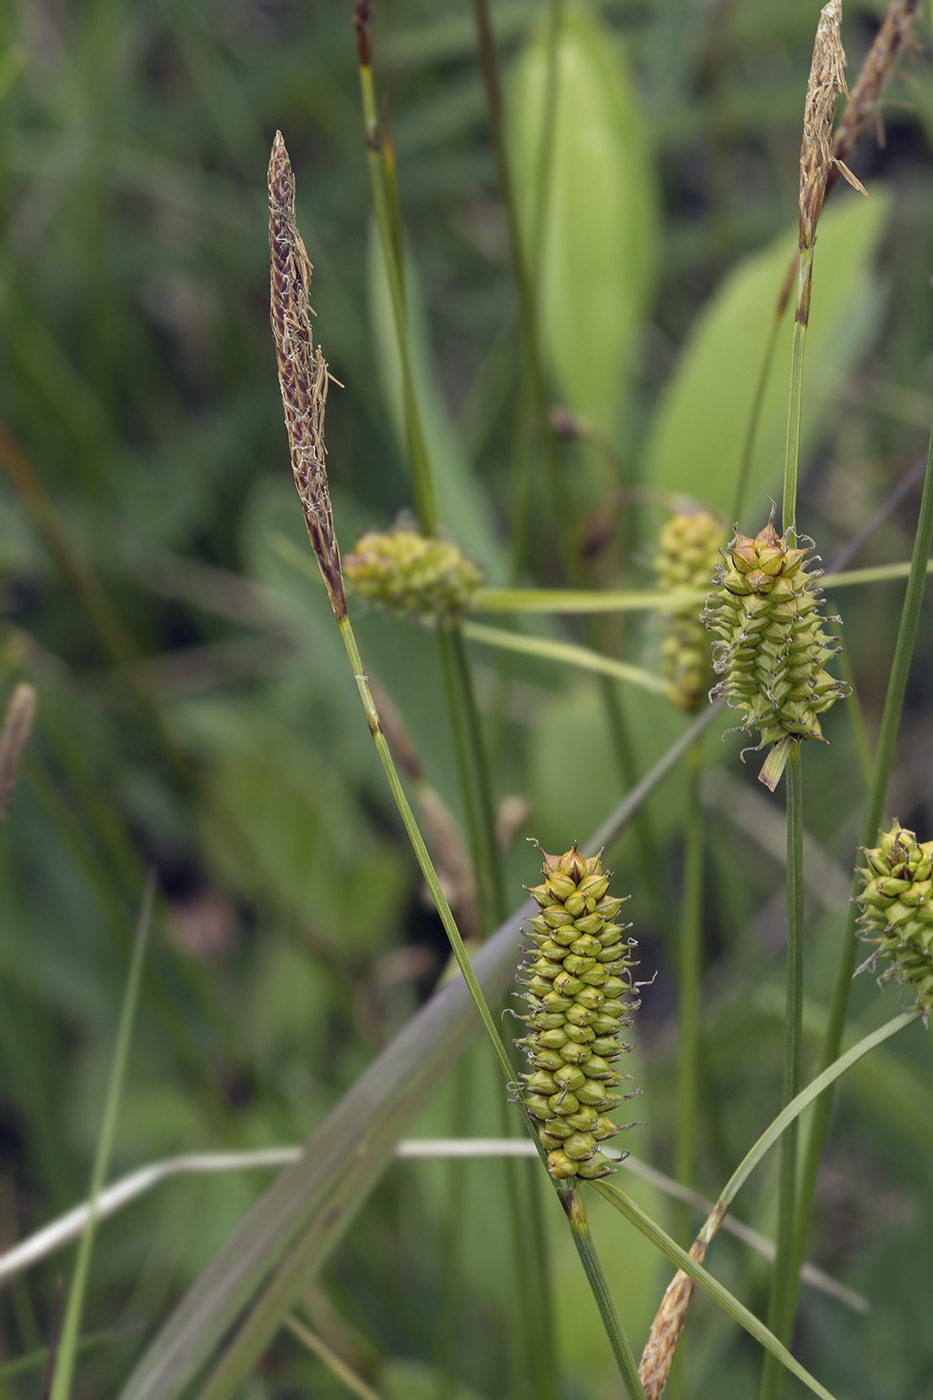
[426, 578]
[576, 976]
[770, 651]
[688, 551]
[897, 911]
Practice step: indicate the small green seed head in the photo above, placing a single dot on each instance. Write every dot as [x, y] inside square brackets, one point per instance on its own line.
[897, 911]
[770, 650]
[425, 578]
[579, 967]
[688, 551]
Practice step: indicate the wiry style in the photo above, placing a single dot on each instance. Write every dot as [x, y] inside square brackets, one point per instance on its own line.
[303, 373]
[817, 161]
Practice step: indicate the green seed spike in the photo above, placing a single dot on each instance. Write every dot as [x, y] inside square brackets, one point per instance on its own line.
[897, 911]
[770, 651]
[575, 976]
[688, 552]
[407, 573]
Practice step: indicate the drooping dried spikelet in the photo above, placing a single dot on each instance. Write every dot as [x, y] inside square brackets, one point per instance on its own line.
[576, 977]
[688, 552]
[897, 911]
[303, 373]
[417, 576]
[661, 1346]
[862, 107]
[817, 161]
[17, 726]
[770, 650]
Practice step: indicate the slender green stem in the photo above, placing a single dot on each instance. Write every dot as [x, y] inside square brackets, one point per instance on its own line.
[688, 1079]
[582, 1238]
[783, 1287]
[472, 814]
[421, 850]
[452, 1234]
[578, 600]
[537, 1372]
[422, 479]
[525, 279]
[874, 808]
[775, 1132]
[492, 860]
[68, 1344]
[711, 1286]
[792, 455]
[567, 653]
[471, 758]
[754, 417]
[572, 1201]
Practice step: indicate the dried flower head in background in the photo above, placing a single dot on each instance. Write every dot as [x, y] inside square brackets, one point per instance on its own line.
[426, 578]
[688, 552]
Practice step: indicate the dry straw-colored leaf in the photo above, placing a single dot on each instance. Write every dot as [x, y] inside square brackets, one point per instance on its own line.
[17, 726]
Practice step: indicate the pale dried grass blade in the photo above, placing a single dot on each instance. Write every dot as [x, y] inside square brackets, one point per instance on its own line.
[17, 726]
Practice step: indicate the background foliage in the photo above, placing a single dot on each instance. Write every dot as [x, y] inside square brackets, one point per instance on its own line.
[195, 708]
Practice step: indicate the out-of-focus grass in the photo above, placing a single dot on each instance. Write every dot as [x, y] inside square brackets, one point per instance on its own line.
[138, 380]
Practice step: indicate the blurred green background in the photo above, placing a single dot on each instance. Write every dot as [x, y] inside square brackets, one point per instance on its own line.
[195, 707]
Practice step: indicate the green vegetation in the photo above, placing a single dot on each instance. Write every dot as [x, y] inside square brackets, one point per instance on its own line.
[548, 246]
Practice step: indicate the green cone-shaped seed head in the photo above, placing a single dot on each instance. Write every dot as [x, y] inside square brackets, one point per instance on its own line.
[897, 911]
[770, 651]
[688, 552]
[575, 976]
[426, 578]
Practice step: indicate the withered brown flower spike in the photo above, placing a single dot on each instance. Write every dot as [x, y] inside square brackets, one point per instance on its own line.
[863, 106]
[817, 162]
[303, 373]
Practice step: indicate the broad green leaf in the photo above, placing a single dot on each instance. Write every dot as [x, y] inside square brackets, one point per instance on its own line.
[696, 443]
[586, 199]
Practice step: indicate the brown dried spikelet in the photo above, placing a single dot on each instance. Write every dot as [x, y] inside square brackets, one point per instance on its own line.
[661, 1346]
[827, 80]
[862, 107]
[303, 375]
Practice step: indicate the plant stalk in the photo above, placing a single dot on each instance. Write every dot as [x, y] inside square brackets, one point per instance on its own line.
[572, 1201]
[783, 1299]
